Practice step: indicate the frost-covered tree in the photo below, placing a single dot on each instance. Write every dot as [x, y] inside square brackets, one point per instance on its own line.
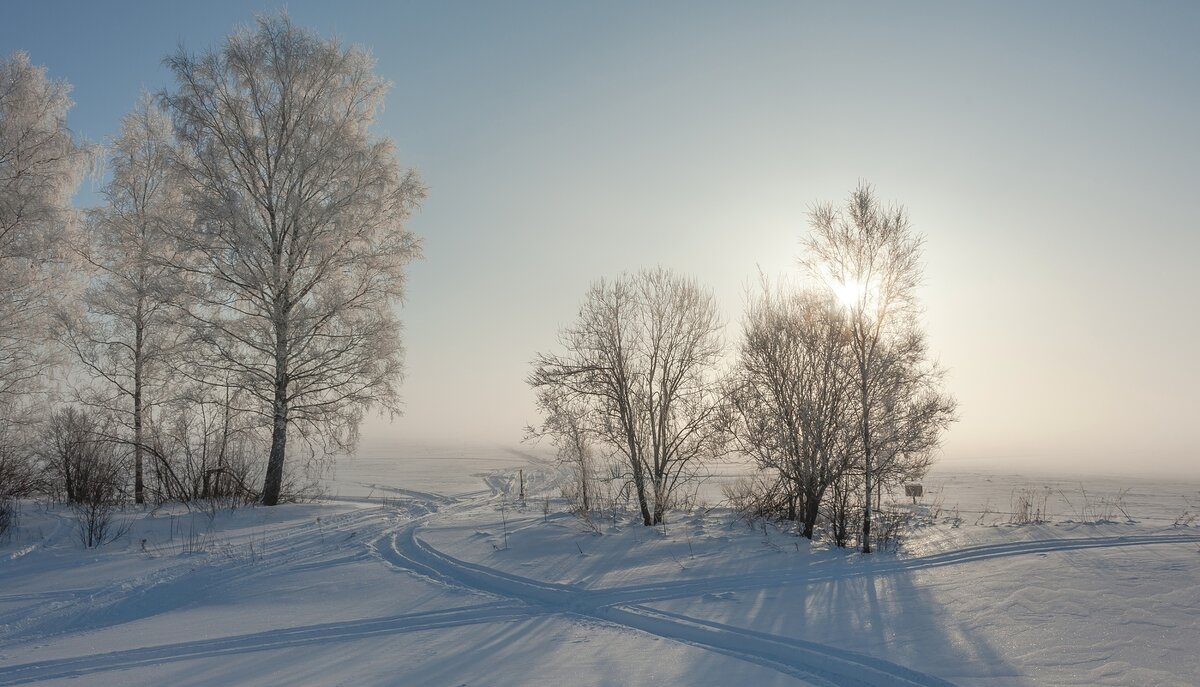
[127, 331]
[205, 446]
[41, 165]
[911, 409]
[791, 397]
[300, 236]
[639, 370]
[566, 425]
[867, 254]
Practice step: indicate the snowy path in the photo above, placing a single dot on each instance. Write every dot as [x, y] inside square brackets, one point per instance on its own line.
[817, 663]
[661, 591]
[397, 534]
[262, 641]
[812, 662]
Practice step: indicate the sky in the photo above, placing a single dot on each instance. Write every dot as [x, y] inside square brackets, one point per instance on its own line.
[1047, 152]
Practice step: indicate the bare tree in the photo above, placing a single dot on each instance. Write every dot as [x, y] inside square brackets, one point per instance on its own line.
[791, 396]
[128, 328]
[72, 440]
[89, 473]
[19, 476]
[911, 408]
[41, 165]
[566, 425]
[204, 448]
[641, 360]
[300, 237]
[868, 255]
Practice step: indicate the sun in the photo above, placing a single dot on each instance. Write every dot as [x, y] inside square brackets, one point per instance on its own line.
[849, 292]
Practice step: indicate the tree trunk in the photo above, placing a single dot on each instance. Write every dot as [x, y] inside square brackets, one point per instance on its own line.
[583, 485]
[811, 509]
[866, 440]
[139, 495]
[216, 486]
[274, 479]
[68, 474]
[639, 484]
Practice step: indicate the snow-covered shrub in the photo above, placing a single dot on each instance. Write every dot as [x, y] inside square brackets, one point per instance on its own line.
[18, 475]
[841, 511]
[78, 458]
[889, 528]
[204, 448]
[84, 467]
[1093, 508]
[755, 497]
[97, 505]
[8, 518]
[1029, 506]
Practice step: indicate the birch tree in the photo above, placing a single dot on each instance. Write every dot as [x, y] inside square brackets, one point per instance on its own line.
[127, 332]
[640, 364]
[41, 165]
[911, 409]
[300, 236]
[868, 256]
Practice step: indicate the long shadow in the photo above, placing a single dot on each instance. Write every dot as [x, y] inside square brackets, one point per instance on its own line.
[263, 641]
[833, 570]
[807, 660]
[876, 604]
[873, 606]
[176, 581]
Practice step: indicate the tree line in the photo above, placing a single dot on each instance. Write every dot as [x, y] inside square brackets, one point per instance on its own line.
[831, 392]
[229, 305]
[231, 300]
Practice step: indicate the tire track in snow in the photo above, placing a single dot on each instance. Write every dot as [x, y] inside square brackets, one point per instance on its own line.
[430, 499]
[817, 663]
[187, 576]
[814, 663]
[81, 666]
[811, 661]
[789, 578]
[61, 525]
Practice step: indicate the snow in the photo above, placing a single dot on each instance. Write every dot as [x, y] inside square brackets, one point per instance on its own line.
[421, 568]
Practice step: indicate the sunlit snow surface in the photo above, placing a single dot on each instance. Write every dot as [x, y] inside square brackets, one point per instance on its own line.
[421, 568]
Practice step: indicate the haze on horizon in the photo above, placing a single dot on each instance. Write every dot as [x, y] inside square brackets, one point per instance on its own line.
[1046, 152]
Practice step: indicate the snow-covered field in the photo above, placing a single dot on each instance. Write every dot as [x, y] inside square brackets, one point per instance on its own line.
[420, 568]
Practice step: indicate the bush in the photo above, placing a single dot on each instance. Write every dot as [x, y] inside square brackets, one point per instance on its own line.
[84, 468]
[18, 476]
[98, 498]
[1029, 506]
[889, 525]
[842, 509]
[8, 518]
[754, 497]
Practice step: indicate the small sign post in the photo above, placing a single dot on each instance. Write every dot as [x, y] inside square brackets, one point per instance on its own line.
[914, 490]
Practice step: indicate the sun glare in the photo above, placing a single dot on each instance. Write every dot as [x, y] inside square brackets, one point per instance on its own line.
[849, 292]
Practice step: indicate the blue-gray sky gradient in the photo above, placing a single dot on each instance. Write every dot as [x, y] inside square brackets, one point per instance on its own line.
[1047, 151]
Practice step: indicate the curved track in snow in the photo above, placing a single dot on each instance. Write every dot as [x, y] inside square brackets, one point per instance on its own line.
[391, 535]
[81, 666]
[813, 662]
[662, 591]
